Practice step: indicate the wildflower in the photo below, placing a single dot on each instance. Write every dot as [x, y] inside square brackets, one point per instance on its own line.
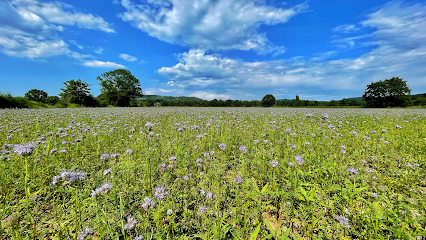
[24, 149]
[292, 145]
[222, 146]
[354, 133]
[104, 156]
[115, 155]
[374, 195]
[160, 192]
[169, 212]
[172, 158]
[331, 126]
[149, 125]
[398, 126]
[202, 192]
[129, 151]
[366, 138]
[309, 115]
[53, 151]
[273, 164]
[140, 237]
[299, 160]
[343, 151]
[343, 221]
[206, 154]
[104, 188]
[290, 164]
[238, 179]
[148, 202]
[409, 165]
[199, 136]
[202, 209]
[131, 222]
[107, 171]
[352, 170]
[307, 144]
[324, 115]
[185, 177]
[69, 177]
[201, 173]
[384, 131]
[287, 130]
[84, 233]
[243, 148]
[209, 195]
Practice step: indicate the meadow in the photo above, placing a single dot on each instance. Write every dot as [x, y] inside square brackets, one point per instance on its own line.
[212, 173]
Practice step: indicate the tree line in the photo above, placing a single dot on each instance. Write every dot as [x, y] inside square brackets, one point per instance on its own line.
[120, 88]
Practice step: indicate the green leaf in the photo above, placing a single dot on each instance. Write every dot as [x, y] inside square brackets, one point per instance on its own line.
[254, 234]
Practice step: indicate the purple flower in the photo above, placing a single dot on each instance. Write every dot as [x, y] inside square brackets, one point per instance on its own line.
[206, 154]
[140, 237]
[222, 146]
[352, 170]
[160, 192]
[129, 151]
[292, 145]
[299, 160]
[324, 115]
[148, 202]
[374, 195]
[398, 126]
[238, 179]
[115, 155]
[104, 156]
[343, 221]
[84, 233]
[287, 130]
[185, 177]
[273, 164]
[243, 148]
[107, 171]
[131, 222]
[202, 209]
[149, 125]
[102, 189]
[24, 149]
[209, 195]
[68, 177]
[290, 164]
[256, 141]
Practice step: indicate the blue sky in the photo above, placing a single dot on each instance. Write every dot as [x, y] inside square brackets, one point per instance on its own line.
[224, 49]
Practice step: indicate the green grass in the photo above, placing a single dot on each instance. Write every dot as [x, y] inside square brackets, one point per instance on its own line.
[203, 200]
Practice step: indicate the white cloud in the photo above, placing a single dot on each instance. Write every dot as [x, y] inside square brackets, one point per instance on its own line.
[346, 28]
[127, 57]
[398, 37]
[64, 14]
[209, 96]
[30, 29]
[171, 83]
[100, 64]
[213, 25]
[100, 50]
[73, 42]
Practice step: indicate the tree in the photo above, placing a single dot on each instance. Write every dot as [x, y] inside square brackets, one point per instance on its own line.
[75, 92]
[388, 93]
[119, 87]
[36, 95]
[268, 100]
[52, 100]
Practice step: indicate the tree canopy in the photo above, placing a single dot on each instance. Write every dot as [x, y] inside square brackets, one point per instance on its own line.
[119, 87]
[388, 93]
[36, 95]
[268, 100]
[76, 92]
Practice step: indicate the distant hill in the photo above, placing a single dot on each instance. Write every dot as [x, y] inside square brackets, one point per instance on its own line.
[158, 97]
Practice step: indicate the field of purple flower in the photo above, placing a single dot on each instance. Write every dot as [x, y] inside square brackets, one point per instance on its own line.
[194, 173]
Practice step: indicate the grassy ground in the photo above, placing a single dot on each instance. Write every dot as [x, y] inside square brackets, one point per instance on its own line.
[212, 173]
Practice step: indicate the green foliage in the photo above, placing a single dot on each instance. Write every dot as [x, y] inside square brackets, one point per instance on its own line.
[388, 93]
[76, 92]
[36, 95]
[119, 87]
[52, 100]
[268, 100]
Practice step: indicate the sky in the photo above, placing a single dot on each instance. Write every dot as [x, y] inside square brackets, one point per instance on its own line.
[223, 49]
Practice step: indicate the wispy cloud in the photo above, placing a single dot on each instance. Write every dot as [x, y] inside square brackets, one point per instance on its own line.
[346, 28]
[212, 25]
[127, 57]
[100, 50]
[100, 64]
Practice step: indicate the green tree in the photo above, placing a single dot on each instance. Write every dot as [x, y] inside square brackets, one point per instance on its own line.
[119, 87]
[392, 92]
[268, 100]
[36, 95]
[52, 100]
[75, 92]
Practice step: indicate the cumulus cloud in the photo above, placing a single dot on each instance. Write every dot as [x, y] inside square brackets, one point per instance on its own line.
[31, 29]
[100, 64]
[213, 25]
[398, 36]
[127, 57]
